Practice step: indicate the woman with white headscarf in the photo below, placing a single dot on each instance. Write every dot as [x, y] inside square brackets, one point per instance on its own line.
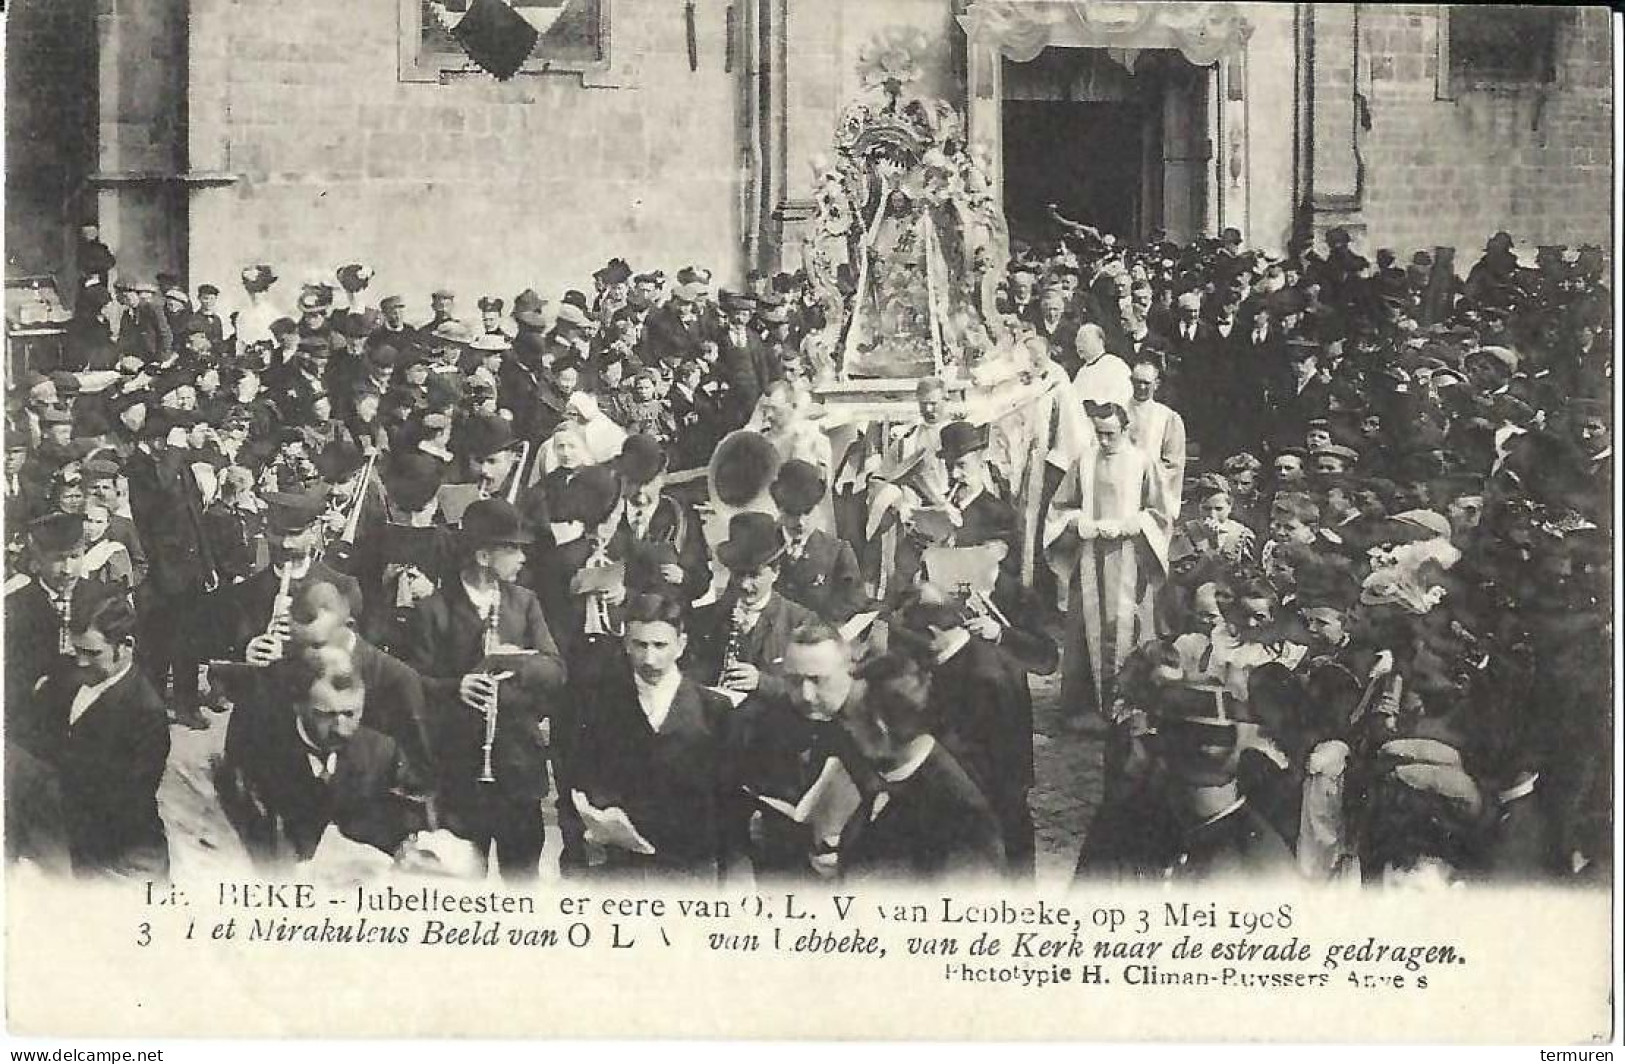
[601, 436]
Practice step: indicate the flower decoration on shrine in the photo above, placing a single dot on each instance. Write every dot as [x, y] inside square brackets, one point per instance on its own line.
[907, 217]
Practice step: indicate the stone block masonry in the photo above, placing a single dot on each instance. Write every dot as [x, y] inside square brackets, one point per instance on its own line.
[489, 187]
[1533, 161]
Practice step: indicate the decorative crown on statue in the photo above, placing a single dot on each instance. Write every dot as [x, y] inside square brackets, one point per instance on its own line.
[908, 241]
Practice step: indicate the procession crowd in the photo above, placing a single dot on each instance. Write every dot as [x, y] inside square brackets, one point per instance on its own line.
[1326, 569]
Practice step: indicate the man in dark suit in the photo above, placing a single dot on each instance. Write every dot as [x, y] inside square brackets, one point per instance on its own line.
[320, 617]
[659, 538]
[981, 710]
[248, 621]
[208, 298]
[780, 747]
[304, 761]
[1194, 365]
[584, 618]
[1256, 358]
[738, 642]
[477, 628]
[1299, 396]
[819, 571]
[296, 384]
[1187, 818]
[928, 820]
[36, 606]
[105, 731]
[486, 446]
[652, 744]
[20, 497]
[520, 385]
[744, 358]
[166, 504]
[1058, 329]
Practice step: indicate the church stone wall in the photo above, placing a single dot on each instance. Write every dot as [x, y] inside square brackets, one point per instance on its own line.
[1452, 172]
[485, 186]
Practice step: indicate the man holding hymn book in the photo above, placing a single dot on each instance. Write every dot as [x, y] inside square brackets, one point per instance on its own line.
[648, 767]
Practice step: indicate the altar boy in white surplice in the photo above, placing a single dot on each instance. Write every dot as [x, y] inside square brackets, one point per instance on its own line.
[1106, 536]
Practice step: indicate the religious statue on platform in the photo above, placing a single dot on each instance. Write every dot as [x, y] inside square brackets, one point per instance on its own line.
[908, 242]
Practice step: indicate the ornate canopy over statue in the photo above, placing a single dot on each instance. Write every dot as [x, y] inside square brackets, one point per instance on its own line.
[908, 243]
[1203, 32]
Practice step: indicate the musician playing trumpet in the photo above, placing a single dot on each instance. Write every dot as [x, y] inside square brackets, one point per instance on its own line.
[488, 659]
[738, 642]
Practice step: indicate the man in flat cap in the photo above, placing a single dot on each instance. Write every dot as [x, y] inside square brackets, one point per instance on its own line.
[208, 311]
[393, 326]
[37, 599]
[744, 357]
[442, 308]
[143, 331]
[249, 621]
[102, 473]
[484, 649]
[1337, 668]
[1334, 460]
[177, 310]
[1189, 821]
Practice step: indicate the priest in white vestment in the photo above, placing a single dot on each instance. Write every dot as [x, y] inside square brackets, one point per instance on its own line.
[1103, 377]
[1106, 536]
[1159, 431]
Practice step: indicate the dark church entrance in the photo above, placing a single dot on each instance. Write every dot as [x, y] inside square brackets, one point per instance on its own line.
[1124, 151]
[1086, 158]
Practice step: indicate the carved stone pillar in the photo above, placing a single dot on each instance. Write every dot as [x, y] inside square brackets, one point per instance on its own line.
[1335, 184]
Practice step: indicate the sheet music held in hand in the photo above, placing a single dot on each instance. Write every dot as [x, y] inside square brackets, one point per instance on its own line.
[963, 569]
[610, 827]
[735, 697]
[341, 859]
[828, 804]
[858, 624]
[936, 523]
[610, 577]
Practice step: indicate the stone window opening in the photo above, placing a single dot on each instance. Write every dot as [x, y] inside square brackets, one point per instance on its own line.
[1497, 48]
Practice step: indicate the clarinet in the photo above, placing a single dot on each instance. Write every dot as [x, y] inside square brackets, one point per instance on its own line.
[282, 605]
[736, 638]
[492, 640]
